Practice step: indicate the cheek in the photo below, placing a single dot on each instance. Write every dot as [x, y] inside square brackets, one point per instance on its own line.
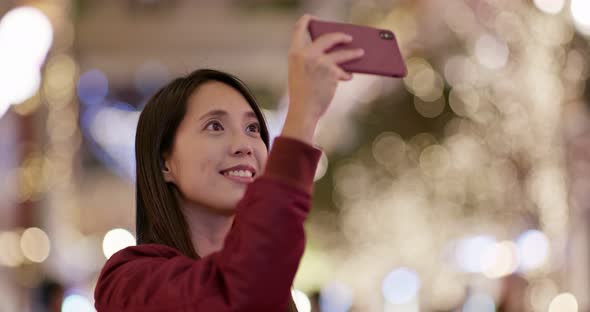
[202, 170]
[261, 158]
[261, 154]
[196, 172]
[202, 184]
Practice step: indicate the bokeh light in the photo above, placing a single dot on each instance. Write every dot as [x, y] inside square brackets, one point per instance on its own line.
[59, 83]
[429, 109]
[389, 149]
[550, 6]
[115, 240]
[4, 106]
[580, 10]
[464, 100]
[435, 160]
[501, 259]
[491, 52]
[113, 129]
[533, 249]
[301, 300]
[335, 297]
[26, 35]
[322, 167]
[77, 303]
[93, 87]
[422, 80]
[470, 252]
[35, 244]
[401, 286]
[565, 302]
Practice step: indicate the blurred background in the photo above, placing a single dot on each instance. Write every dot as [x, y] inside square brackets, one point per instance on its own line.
[463, 187]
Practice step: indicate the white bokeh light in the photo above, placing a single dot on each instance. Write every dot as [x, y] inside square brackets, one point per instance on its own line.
[470, 252]
[76, 303]
[401, 286]
[550, 6]
[491, 52]
[4, 104]
[115, 240]
[533, 249]
[321, 168]
[301, 301]
[26, 35]
[335, 297]
[565, 302]
[113, 128]
[21, 79]
[580, 10]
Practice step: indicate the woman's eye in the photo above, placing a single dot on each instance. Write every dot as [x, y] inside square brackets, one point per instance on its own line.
[214, 125]
[254, 127]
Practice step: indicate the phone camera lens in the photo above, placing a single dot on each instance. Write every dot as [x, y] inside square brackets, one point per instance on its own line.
[386, 35]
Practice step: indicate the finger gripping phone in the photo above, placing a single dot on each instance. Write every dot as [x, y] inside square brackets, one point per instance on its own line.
[382, 54]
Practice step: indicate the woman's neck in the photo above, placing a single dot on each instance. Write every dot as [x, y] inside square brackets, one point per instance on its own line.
[207, 228]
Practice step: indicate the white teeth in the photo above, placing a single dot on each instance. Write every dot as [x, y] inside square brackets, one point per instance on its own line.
[239, 173]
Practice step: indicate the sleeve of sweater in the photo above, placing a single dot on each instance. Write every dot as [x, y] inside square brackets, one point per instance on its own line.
[256, 266]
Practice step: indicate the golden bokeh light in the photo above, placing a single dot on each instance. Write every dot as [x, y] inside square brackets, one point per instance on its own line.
[565, 302]
[35, 244]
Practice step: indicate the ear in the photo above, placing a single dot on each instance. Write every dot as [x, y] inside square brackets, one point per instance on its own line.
[166, 172]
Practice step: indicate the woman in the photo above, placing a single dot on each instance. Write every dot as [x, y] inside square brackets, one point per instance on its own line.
[219, 220]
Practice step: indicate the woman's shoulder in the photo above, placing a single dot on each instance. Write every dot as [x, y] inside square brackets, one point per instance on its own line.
[145, 253]
[136, 259]
[138, 270]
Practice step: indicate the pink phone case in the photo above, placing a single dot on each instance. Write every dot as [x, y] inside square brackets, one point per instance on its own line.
[382, 55]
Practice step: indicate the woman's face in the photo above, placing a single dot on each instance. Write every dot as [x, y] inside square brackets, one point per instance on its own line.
[219, 131]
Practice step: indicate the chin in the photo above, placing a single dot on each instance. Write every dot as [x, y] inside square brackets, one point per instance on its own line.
[226, 202]
[229, 205]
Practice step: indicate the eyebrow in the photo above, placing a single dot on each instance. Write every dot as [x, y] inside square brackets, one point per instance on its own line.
[222, 113]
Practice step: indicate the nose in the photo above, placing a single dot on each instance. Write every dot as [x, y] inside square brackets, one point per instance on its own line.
[241, 146]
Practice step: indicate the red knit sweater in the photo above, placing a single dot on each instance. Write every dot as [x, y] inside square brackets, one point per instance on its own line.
[254, 270]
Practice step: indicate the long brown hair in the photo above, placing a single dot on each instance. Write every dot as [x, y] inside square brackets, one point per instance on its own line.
[159, 219]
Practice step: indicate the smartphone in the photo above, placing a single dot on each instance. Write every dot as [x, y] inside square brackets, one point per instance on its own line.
[382, 54]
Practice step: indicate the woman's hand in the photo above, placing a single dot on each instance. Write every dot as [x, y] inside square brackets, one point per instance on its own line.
[313, 77]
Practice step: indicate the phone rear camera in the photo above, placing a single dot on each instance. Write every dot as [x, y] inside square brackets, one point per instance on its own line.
[386, 35]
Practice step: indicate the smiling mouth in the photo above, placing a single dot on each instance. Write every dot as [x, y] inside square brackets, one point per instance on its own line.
[244, 179]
